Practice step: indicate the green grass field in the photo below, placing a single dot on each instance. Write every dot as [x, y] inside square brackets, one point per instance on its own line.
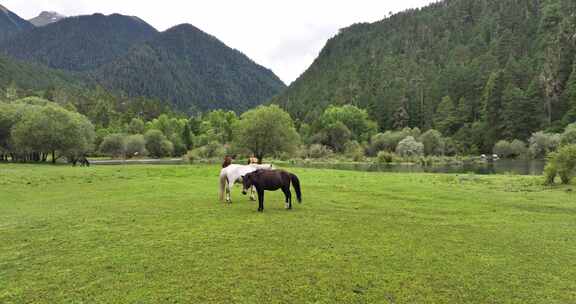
[156, 234]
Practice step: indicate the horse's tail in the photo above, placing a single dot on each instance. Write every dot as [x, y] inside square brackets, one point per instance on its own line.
[296, 183]
[223, 180]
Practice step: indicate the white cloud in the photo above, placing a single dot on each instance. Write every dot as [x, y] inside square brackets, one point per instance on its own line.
[283, 36]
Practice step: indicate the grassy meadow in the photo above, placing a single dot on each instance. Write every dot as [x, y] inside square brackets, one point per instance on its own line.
[157, 234]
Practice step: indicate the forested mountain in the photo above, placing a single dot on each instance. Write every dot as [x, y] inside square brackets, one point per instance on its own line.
[79, 43]
[11, 23]
[32, 78]
[193, 70]
[183, 65]
[478, 70]
[46, 18]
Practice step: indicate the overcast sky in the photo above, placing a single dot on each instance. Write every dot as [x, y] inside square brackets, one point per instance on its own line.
[283, 36]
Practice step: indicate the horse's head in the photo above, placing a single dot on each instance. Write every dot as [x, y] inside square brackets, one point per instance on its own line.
[227, 161]
[247, 182]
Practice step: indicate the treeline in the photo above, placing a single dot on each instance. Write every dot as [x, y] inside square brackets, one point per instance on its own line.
[478, 71]
[32, 129]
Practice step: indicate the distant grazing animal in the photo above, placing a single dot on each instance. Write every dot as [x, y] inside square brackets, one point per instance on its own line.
[84, 162]
[232, 174]
[272, 180]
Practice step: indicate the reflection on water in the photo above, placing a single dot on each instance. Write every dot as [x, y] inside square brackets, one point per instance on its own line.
[520, 167]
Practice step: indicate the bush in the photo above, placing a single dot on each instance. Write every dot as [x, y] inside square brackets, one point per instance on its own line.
[409, 147]
[518, 148]
[135, 145]
[561, 163]
[209, 151]
[157, 144]
[336, 136]
[543, 143]
[451, 147]
[136, 126]
[353, 150]
[433, 142]
[192, 156]
[569, 135]
[318, 151]
[385, 157]
[386, 141]
[113, 145]
[503, 149]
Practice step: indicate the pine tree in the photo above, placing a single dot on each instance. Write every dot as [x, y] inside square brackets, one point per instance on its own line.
[187, 136]
[446, 120]
[401, 118]
[492, 107]
[569, 98]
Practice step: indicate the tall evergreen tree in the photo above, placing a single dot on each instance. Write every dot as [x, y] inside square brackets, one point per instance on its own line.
[492, 107]
[401, 118]
[446, 120]
[569, 97]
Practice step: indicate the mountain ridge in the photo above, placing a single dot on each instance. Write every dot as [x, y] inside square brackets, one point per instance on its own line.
[10, 23]
[79, 43]
[45, 18]
[182, 62]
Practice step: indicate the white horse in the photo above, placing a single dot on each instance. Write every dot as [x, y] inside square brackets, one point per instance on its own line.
[233, 174]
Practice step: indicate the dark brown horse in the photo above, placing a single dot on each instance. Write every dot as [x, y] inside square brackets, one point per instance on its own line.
[272, 180]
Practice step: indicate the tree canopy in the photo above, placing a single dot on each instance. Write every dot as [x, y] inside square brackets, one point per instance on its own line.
[265, 131]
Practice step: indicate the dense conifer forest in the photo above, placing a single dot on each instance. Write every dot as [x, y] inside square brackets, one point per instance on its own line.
[185, 68]
[477, 70]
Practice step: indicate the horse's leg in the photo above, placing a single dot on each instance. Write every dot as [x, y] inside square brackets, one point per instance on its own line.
[288, 196]
[228, 193]
[252, 193]
[260, 200]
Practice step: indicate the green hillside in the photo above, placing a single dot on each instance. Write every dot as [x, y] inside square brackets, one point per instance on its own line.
[79, 43]
[502, 68]
[193, 70]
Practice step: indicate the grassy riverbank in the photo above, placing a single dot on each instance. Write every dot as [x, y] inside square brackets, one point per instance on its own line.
[156, 234]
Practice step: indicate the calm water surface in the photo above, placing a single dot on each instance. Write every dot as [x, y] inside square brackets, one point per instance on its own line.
[520, 167]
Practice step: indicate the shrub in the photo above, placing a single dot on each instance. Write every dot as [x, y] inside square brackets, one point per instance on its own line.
[385, 157]
[157, 144]
[561, 163]
[353, 150]
[569, 135]
[212, 150]
[136, 126]
[387, 141]
[518, 148]
[192, 156]
[135, 145]
[451, 147]
[318, 151]
[409, 147]
[543, 143]
[433, 142]
[503, 148]
[336, 136]
[113, 145]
